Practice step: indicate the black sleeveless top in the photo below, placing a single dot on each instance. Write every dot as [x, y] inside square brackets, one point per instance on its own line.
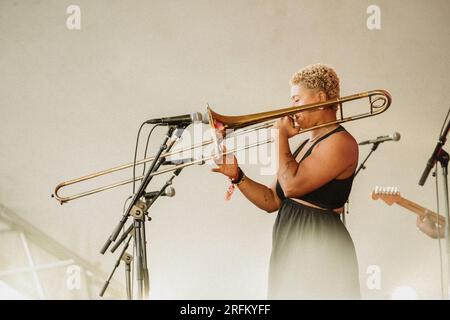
[331, 195]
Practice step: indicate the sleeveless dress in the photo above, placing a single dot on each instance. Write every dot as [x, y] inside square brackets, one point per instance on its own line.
[313, 256]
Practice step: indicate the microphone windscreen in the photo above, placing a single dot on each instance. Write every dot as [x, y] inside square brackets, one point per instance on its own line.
[196, 117]
[205, 119]
[170, 191]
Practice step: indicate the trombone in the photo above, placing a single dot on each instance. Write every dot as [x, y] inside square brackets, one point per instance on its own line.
[379, 101]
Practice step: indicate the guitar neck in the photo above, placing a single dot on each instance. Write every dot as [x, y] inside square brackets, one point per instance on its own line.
[421, 211]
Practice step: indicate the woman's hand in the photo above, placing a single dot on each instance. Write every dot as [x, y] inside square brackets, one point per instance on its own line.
[285, 126]
[227, 166]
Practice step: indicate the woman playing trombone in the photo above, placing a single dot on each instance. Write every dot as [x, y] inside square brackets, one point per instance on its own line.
[313, 256]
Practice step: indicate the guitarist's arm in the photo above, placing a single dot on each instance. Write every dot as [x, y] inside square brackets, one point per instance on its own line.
[429, 228]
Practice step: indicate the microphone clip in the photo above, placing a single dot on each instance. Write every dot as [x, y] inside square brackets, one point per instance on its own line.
[375, 145]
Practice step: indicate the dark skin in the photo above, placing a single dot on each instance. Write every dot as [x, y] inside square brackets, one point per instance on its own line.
[333, 158]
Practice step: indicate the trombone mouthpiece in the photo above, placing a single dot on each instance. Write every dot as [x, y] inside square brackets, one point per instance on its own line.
[205, 118]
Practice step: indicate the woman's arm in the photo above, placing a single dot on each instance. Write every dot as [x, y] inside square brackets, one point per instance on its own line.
[260, 195]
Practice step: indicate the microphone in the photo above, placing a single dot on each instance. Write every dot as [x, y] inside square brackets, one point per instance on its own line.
[177, 162]
[168, 192]
[393, 137]
[184, 119]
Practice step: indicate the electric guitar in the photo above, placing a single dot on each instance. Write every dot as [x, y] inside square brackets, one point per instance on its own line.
[391, 195]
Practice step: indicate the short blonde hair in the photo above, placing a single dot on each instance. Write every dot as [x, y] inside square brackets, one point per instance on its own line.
[318, 76]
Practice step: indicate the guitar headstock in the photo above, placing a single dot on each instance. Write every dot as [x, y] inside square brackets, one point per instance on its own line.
[389, 195]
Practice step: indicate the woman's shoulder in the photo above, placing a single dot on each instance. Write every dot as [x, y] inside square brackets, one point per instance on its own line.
[347, 137]
[341, 139]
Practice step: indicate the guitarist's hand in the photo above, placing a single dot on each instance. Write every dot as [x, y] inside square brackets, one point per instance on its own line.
[429, 228]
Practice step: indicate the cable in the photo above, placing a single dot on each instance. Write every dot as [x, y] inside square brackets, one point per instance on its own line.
[146, 145]
[134, 189]
[135, 155]
[135, 152]
[134, 183]
[132, 271]
[438, 234]
[125, 206]
[437, 210]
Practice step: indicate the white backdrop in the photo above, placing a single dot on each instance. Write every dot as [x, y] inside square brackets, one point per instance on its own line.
[71, 102]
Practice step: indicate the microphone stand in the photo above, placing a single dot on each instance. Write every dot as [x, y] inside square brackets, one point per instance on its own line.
[141, 254]
[149, 202]
[153, 167]
[361, 167]
[441, 156]
[127, 258]
[136, 209]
